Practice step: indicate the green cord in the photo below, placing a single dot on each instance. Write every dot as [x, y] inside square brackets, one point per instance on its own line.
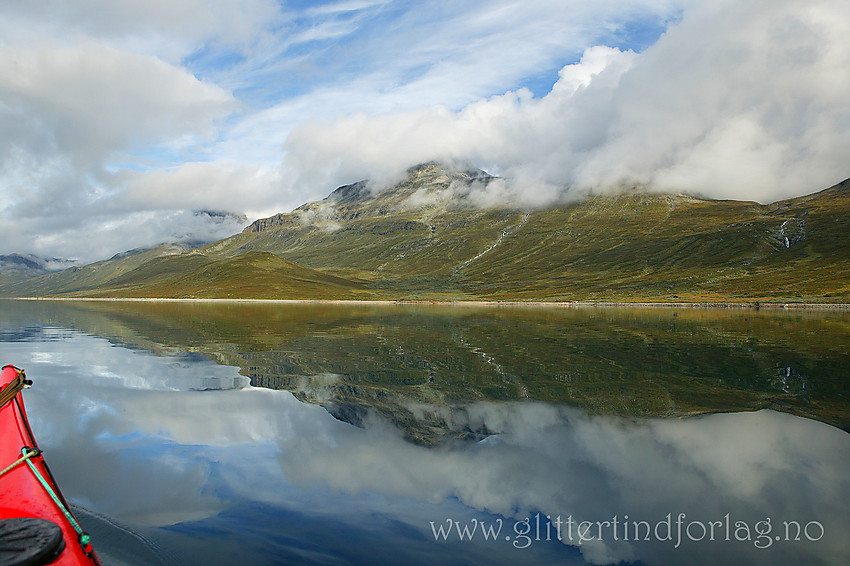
[84, 538]
[18, 462]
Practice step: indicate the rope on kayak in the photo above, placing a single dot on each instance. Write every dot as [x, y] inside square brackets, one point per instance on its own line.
[84, 538]
[8, 392]
[19, 461]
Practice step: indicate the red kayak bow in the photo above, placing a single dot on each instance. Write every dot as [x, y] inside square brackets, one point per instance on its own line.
[36, 523]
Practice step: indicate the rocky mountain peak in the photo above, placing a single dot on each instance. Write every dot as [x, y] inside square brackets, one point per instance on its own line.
[361, 198]
[349, 193]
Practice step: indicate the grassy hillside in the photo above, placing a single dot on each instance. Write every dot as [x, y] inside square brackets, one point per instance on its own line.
[251, 275]
[425, 239]
[90, 276]
[660, 247]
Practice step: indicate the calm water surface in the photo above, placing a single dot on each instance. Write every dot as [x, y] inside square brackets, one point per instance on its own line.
[288, 434]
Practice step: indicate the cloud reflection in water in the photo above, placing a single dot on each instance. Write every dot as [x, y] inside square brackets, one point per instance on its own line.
[130, 436]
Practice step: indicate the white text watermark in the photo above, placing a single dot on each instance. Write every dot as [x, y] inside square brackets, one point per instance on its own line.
[670, 529]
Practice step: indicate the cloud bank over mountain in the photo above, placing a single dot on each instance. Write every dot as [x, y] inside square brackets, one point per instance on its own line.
[116, 119]
[739, 100]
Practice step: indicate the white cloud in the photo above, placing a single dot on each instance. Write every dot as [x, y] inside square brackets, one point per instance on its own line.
[144, 229]
[538, 140]
[231, 185]
[744, 101]
[91, 101]
[168, 29]
[345, 6]
[67, 112]
[738, 101]
[109, 108]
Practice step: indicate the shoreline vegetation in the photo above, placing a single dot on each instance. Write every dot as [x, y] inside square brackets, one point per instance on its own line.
[743, 305]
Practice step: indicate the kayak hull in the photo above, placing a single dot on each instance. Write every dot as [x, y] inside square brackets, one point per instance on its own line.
[22, 493]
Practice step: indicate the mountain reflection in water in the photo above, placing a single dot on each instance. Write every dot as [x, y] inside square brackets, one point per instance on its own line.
[199, 467]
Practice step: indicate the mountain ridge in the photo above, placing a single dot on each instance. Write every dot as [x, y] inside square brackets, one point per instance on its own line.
[427, 237]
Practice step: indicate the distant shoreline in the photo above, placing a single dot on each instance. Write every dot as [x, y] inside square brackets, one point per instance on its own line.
[534, 304]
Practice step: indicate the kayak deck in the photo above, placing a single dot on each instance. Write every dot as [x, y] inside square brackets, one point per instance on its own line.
[28, 491]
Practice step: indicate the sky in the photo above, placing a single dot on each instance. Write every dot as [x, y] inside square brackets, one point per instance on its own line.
[124, 124]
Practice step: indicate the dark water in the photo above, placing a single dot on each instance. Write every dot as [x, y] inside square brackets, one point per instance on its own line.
[287, 434]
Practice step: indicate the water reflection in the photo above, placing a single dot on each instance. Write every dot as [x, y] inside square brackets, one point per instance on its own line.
[251, 475]
[409, 363]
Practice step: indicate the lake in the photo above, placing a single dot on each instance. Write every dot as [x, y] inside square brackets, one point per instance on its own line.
[259, 433]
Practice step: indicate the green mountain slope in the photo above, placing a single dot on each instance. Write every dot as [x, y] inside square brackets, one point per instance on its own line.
[253, 274]
[90, 276]
[649, 247]
[426, 238]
